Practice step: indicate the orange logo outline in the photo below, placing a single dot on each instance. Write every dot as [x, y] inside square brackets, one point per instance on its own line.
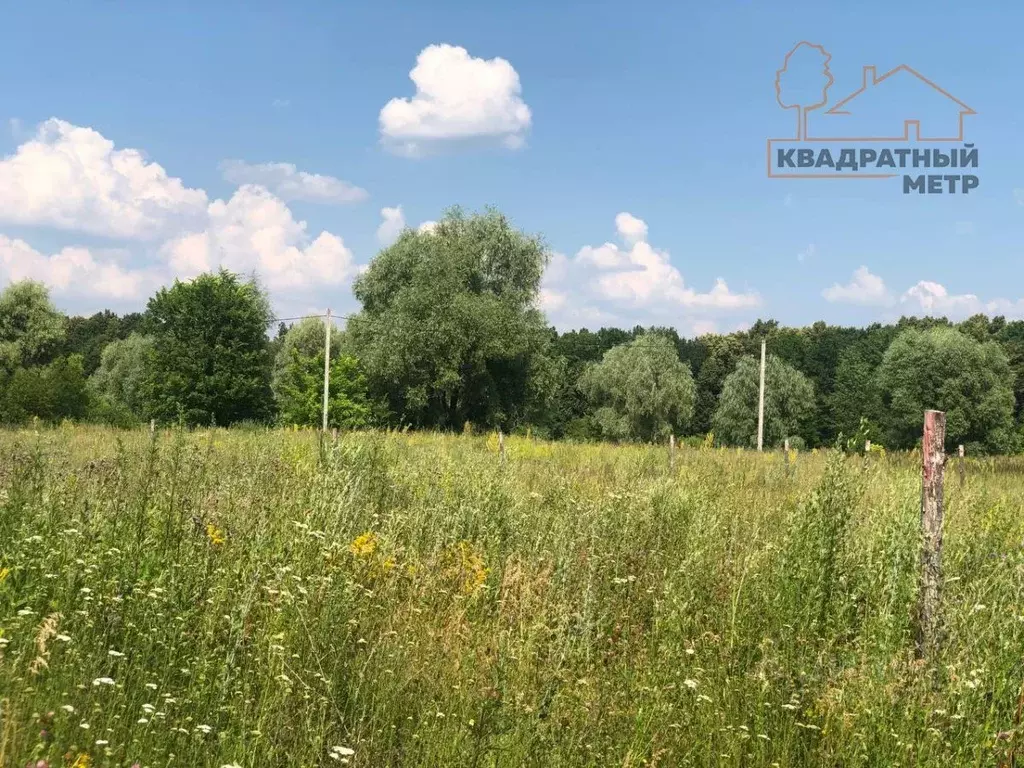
[869, 78]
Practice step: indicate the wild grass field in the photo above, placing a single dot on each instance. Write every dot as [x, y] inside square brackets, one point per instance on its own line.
[252, 598]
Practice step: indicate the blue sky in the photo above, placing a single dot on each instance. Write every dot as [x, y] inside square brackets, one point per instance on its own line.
[632, 136]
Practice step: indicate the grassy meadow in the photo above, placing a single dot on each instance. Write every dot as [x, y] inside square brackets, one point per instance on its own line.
[256, 599]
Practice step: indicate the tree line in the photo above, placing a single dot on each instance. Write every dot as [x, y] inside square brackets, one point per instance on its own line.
[449, 333]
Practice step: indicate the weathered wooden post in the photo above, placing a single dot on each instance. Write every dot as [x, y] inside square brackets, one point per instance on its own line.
[152, 426]
[672, 452]
[501, 447]
[785, 455]
[932, 472]
[960, 468]
[867, 447]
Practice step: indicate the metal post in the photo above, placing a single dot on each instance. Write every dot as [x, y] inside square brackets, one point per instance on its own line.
[760, 404]
[327, 364]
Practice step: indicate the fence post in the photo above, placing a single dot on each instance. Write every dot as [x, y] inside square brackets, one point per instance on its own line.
[785, 455]
[671, 452]
[152, 426]
[501, 447]
[932, 471]
[960, 468]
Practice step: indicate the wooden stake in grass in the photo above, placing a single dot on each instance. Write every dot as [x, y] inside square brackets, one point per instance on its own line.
[960, 468]
[501, 447]
[785, 455]
[672, 452]
[932, 472]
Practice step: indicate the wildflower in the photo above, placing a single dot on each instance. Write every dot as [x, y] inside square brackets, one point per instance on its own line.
[68, 708]
[340, 753]
[103, 681]
[215, 535]
[204, 728]
[115, 654]
[4, 572]
[82, 761]
[691, 684]
[363, 545]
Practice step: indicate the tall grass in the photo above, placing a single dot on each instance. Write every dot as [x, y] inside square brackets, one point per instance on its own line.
[258, 599]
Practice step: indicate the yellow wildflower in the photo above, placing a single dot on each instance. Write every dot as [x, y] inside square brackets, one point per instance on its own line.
[363, 545]
[82, 761]
[215, 535]
[4, 572]
[474, 573]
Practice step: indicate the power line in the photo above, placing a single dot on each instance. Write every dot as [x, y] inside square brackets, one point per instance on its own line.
[306, 317]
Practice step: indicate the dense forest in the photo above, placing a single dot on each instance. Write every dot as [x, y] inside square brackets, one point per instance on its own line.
[449, 335]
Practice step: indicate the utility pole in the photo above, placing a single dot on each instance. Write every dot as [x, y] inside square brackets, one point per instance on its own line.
[327, 363]
[760, 404]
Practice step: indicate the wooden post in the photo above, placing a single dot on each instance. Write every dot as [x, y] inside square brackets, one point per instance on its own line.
[867, 447]
[152, 429]
[501, 447]
[960, 468]
[672, 452]
[932, 471]
[334, 435]
[760, 404]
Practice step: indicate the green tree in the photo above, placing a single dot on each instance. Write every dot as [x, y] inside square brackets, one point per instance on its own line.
[788, 403]
[298, 380]
[944, 369]
[448, 332]
[120, 387]
[211, 357]
[89, 336]
[49, 392]
[641, 389]
[31, 328]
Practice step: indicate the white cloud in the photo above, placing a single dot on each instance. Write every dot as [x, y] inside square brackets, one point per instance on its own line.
[632, 278]
[73, 178]
[643, 275]
[457, 97]
[392, 225]
[255, 230]
[923, 298]
[427, 227]
[73, 271]
[933, 299]
[289, 183]
[864, 288]
[630, 228]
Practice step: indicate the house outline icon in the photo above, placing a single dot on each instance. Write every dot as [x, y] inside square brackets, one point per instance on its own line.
[870, 79]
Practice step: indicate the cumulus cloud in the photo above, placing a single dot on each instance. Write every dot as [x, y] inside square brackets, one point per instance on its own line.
[255, 230]
[427, 227]
[639, 274]
[74, 271]
[864, 288]
[925, 297]
[72, 178]
[392, 225]
[632, 278]
[289, 183]
[457, 97]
